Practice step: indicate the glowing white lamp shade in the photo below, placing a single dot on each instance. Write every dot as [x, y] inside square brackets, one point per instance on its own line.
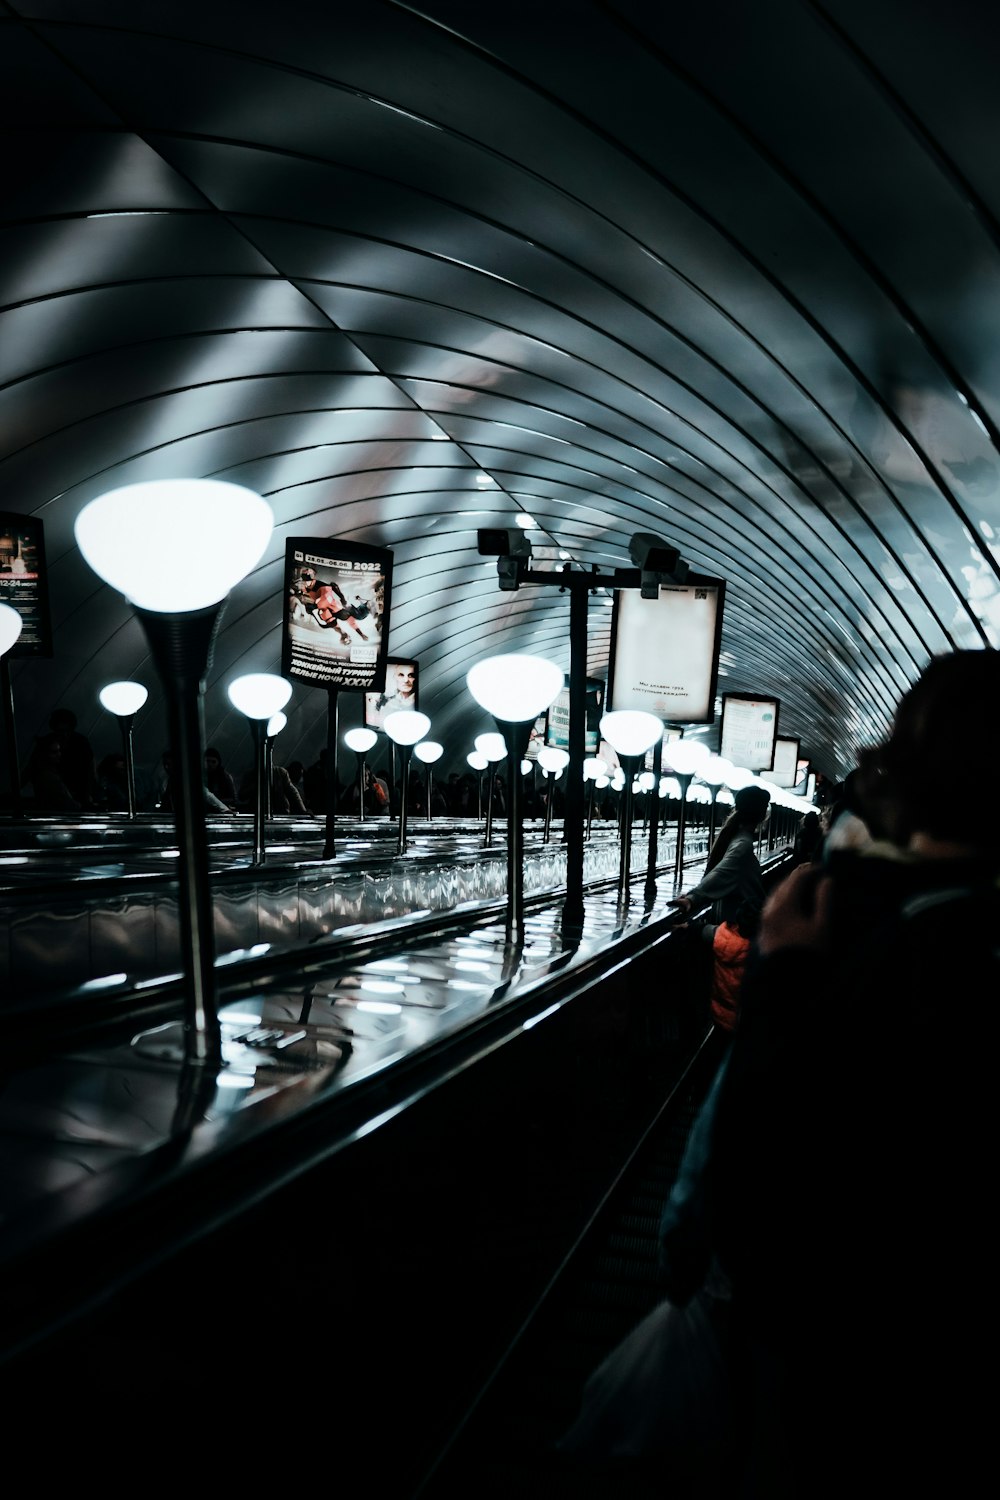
[405, 726]
[526, 767]
[477, 760]
[514, 688]
[739, 777]
[492, 745]
[360, 740]
[631, 731]
[593, 767]
[276, 724]
[123, 698]
[174, 545]
[618, 778]
[259, 695]
[600, 782]
[715, 770]
[10, 627]
[686, 757]
[428, 751]
[647, 781]
[552, 758]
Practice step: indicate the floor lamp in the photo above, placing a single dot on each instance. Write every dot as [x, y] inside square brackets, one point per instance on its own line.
[405, 726]
[176, 548]
[260, 696]
[630, 733]
[360, 741]
[10, 630]
[124, 700]
[429, 752]
[515, 689]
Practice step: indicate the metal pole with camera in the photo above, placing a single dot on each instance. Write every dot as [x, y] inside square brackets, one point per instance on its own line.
[655, 562]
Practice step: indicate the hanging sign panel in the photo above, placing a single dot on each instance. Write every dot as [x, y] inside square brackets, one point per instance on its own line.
[401, 691]
[784, 772]
[665, 651]
[24, 583]
[557, 721]
[749, 730]
[336, 625]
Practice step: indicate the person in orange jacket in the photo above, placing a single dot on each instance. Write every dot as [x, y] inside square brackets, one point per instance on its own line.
[731, 943]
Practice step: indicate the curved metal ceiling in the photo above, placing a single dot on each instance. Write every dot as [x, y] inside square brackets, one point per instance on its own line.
[728, 274]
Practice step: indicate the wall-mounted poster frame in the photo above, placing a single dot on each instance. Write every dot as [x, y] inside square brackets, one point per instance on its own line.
[24, 582]
[784, 772]
[749, 729]
[665, 651]
[401, 691]
[336, 613]
[557, 717]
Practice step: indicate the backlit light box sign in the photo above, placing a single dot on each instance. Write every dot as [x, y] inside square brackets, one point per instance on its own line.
[336, 614]
[665, 651]
[749, 730]
[784, 772]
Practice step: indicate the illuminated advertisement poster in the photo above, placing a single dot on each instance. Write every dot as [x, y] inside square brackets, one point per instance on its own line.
[536, 739]
[24, 582]
[400, 692]
[784, 772]
[749, 730]
[665, 651]
[801, 774]
[336, 625]
[557, 722]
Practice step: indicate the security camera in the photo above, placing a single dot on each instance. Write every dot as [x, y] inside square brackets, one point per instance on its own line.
[503, 542]
[651, 554]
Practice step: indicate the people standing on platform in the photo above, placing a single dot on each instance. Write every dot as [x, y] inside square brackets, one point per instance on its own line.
[732, 871]
[808, 840]
[218, 780]
[45, 774]
[285, 795]
[79, 766]
[112, 781]
[849, 1177]
[731, 943]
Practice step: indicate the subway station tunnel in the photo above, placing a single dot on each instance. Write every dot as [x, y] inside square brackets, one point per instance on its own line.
[727, 274]
[721, 273]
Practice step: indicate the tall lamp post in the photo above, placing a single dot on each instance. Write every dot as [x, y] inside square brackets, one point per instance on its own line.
[494, 748]
[477, 760]
[515, 689]
[685, 757]
[175, 548]
[259, 695]
[630, 732]
[405, 726]
[593, 767]
[429, 752]
[124, 700]
[553, 760]
[10, 629]
[360, 741]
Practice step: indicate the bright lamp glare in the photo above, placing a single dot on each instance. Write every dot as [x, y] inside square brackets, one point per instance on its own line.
[428, 751]
[276, 724]
[406, 726]
[715, 770]
[552, 758]
[10, 627]
[123, 698]
[360, 740]
[477, 760]
[593, 767]
[686, 757]
[173, 545]
[259, 695]
[630, 731]
[492, 745]
[514, 688]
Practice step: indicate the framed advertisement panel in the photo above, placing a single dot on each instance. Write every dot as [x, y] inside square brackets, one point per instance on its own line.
[401, 691]
[24, 583]
[784, 772]
[557, 718]
[749, 730]
[665, 651]
[336, 613]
